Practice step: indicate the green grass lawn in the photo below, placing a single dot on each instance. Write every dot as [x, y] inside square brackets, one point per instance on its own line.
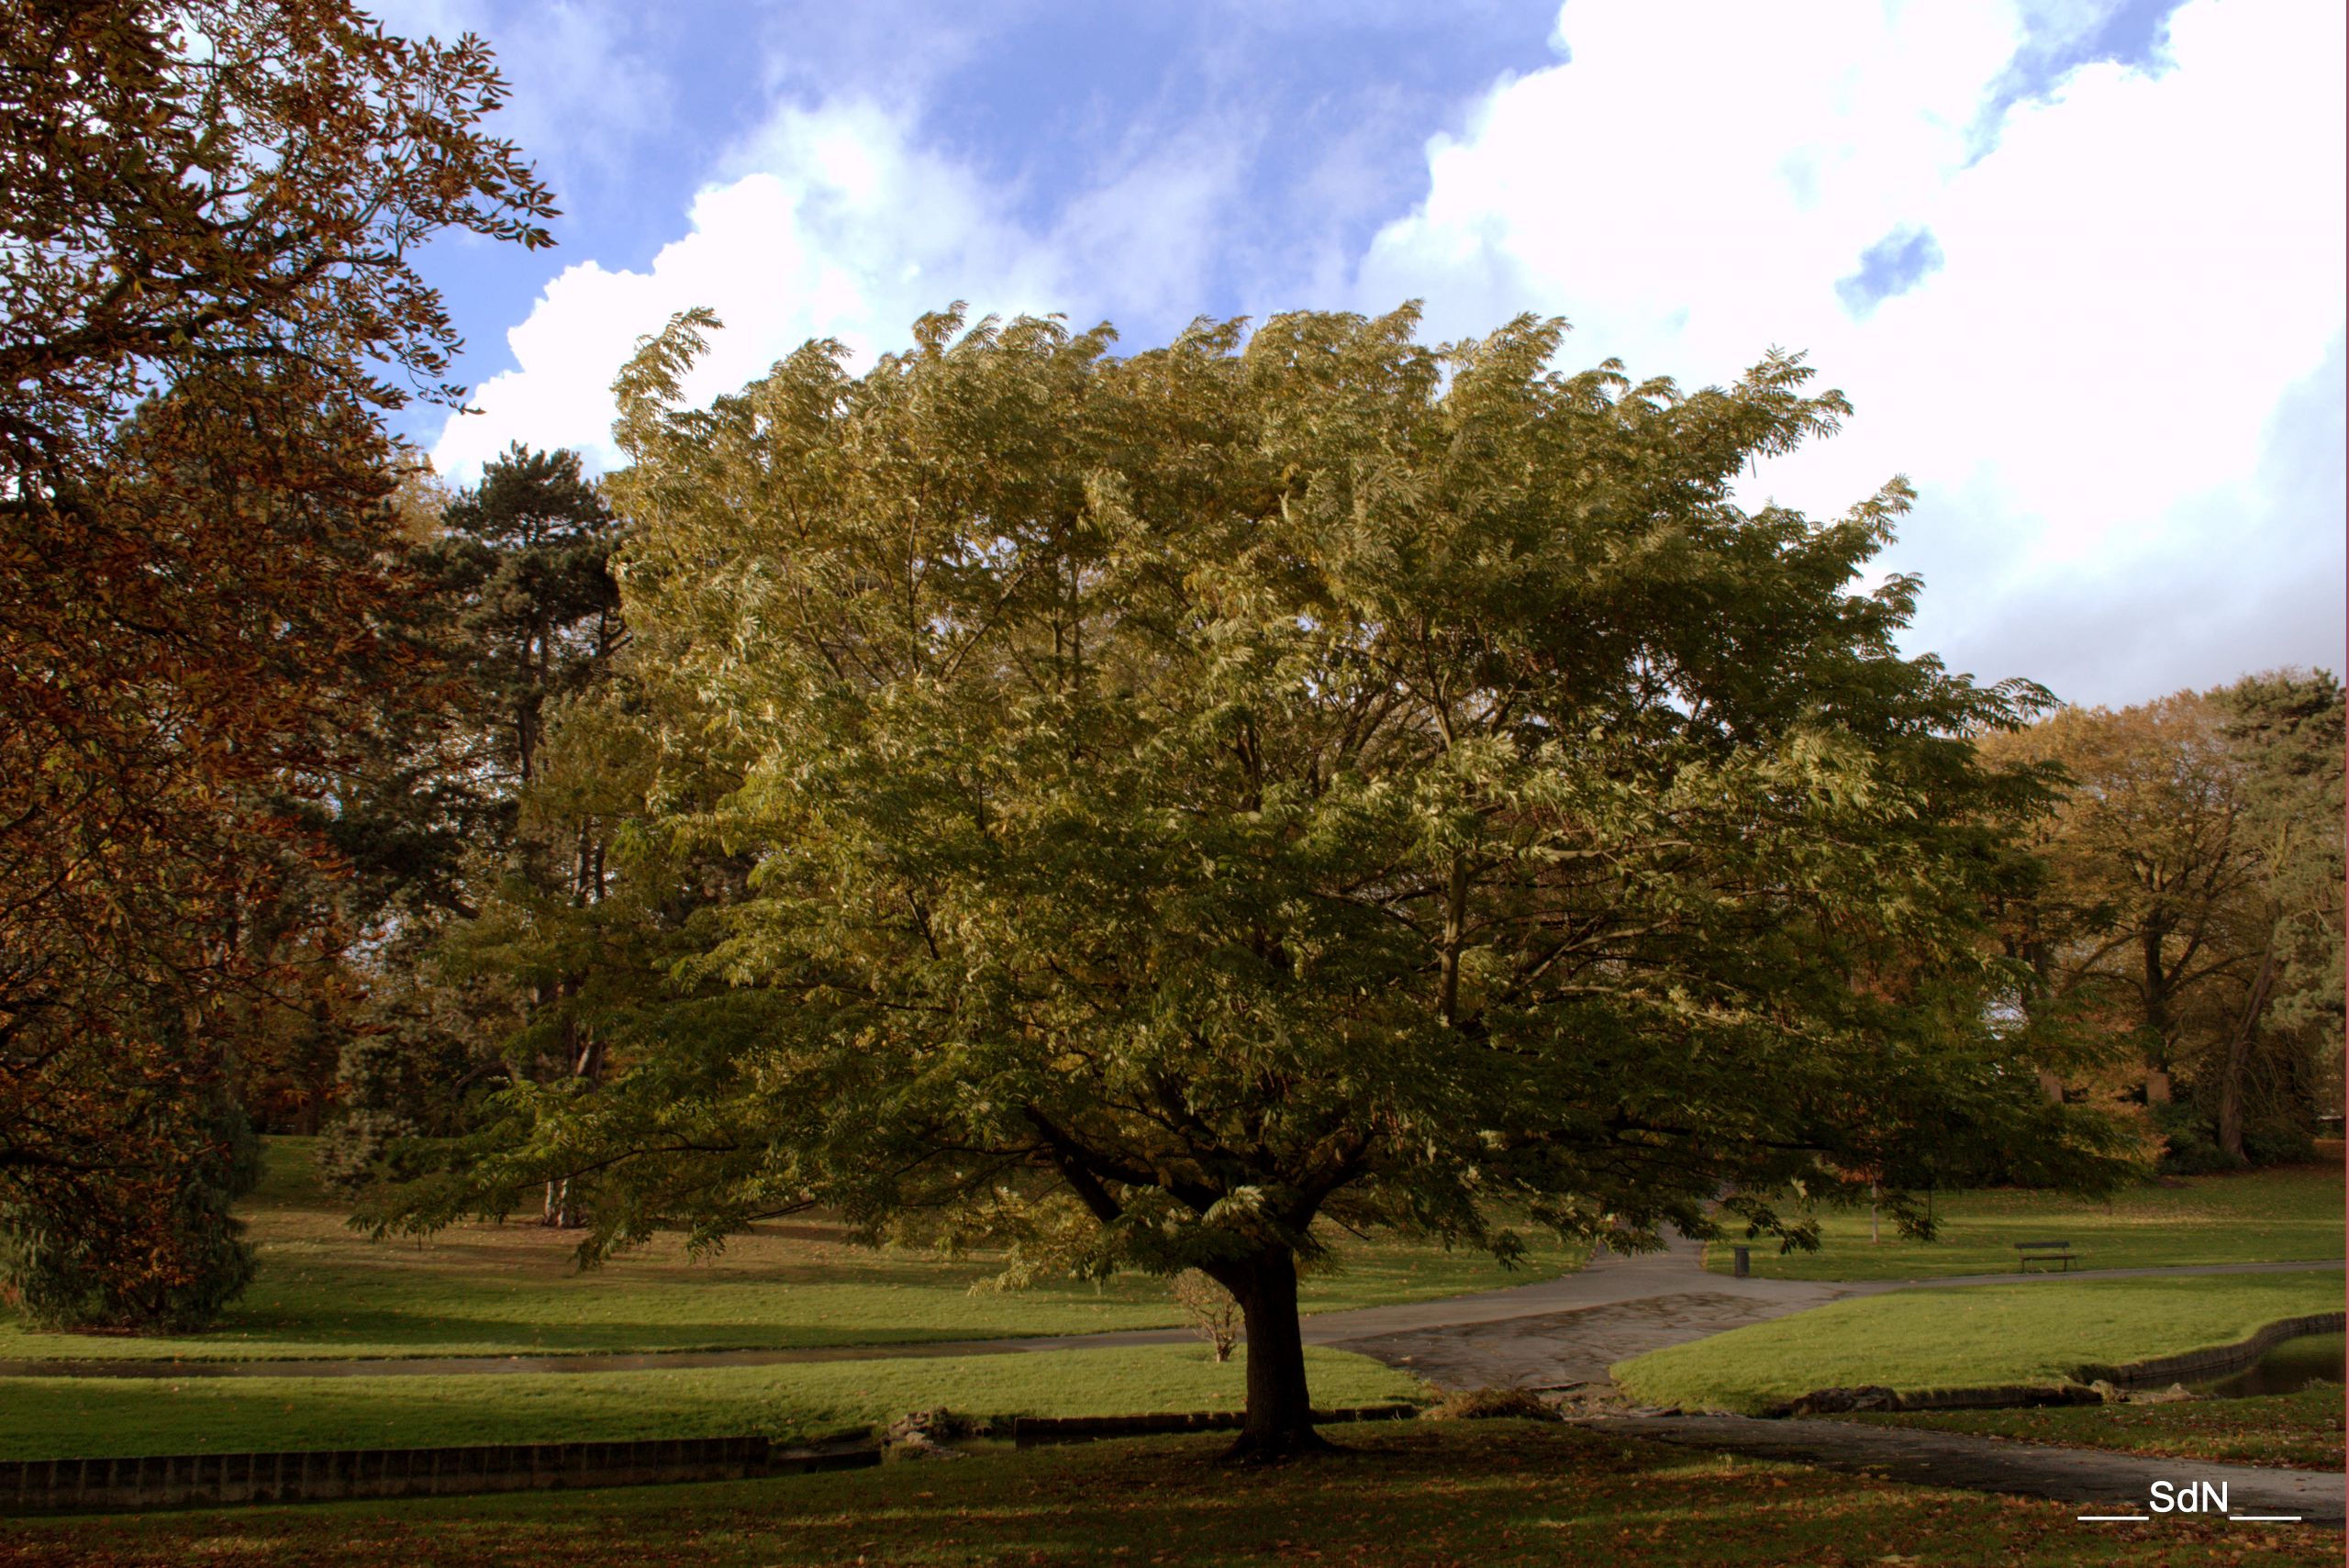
[2283, 1215]
[325, 1291]
[2301, 1429]
[1505, 1493]
[1969, 1337]
[49, 1417]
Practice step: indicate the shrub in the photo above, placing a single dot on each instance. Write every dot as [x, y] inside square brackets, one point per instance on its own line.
[1214, 1316]
[1492, 1405]
[2192, 1141]
[154, 1252]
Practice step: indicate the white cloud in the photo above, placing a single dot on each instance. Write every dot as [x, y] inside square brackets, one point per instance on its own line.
[832, 225]
[2138, 278]
[2245, 576]
[833, 222]
[2135, 276]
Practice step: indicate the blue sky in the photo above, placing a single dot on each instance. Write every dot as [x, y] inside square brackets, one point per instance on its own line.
[2079, 263]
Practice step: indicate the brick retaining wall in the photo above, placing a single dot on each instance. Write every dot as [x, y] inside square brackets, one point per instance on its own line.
[163, 1481]
[2219, 1361]
[2200, 1366]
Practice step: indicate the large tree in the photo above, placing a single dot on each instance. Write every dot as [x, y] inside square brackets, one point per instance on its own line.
[208, 218]
[1287, 784]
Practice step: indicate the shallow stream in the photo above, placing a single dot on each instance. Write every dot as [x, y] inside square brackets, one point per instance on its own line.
[2288, 1366]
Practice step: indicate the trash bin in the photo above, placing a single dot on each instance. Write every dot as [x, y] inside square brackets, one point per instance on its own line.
[1741, 1263]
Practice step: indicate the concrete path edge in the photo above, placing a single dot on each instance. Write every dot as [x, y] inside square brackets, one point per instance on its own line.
[2095, 1479]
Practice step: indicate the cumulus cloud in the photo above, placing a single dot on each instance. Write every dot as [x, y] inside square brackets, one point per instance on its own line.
[834, 225]
[836, 222]
[2134, 278]
[2086, 305]
[2247, 576]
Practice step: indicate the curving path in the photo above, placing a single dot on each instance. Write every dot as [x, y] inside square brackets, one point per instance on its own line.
[1553, 1333]
[1569, 1331]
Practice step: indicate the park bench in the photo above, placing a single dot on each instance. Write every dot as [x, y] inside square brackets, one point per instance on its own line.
[2044, 1253]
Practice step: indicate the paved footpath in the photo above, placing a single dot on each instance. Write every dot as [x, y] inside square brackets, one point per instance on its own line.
[1570, 1330]
[1552, 1333]
[2097, 1481]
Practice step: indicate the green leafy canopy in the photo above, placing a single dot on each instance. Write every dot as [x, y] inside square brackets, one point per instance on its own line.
[1282, 781]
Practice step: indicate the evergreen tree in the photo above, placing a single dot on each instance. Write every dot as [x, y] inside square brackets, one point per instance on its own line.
[2288, 729]
[522, 611]
[64, 1264]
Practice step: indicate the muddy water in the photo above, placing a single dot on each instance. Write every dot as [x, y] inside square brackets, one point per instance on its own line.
[2288, 1366]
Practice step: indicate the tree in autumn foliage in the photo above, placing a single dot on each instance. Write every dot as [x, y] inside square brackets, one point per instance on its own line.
[208, 213]
[2191, 909]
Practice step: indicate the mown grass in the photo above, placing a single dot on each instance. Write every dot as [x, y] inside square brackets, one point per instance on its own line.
[2301, 1429]
[1503, 1493]
[1971, 1336]
[52, 1417]
[2291, 1214]
[324, 1291]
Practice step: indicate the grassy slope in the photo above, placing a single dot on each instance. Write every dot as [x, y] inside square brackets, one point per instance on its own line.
[2275, 1216]
[1970, 1336]
[88, 1418]
[2302, 1429]
[1509, 1494]
[499, 1290]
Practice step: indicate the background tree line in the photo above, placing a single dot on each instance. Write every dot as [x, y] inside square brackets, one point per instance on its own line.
[2189, 908]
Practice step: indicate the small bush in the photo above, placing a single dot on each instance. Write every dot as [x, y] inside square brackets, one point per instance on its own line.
[2192, 1141]
[1492, 1405]
[1210, 1311]
[2278, 1142]
[2193, 1137]
[145, 1251]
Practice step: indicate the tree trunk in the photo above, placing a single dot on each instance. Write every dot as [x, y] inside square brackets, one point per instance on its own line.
[2239, 1056]
[586, 1056]
[1279, 1423]
[2155, 983]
